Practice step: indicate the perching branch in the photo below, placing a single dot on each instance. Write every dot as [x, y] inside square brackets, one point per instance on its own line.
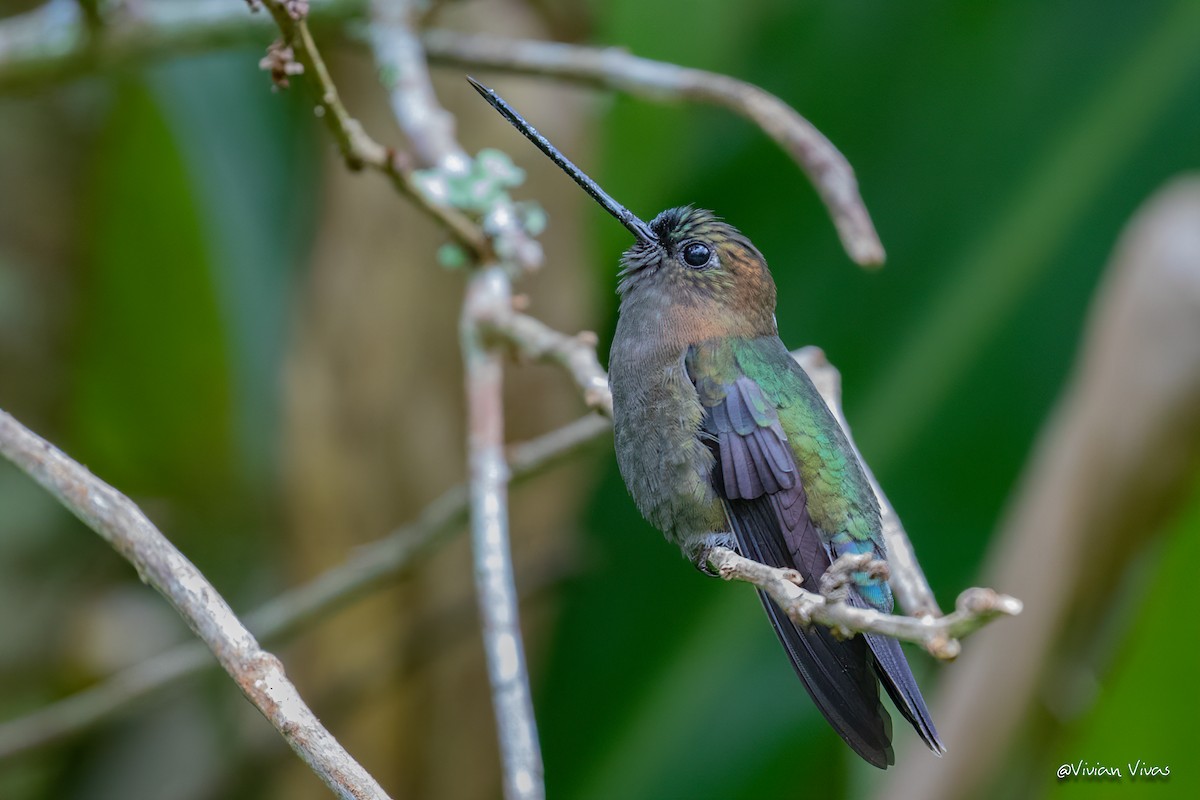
[926, 626]
[975, 607]
[258, 673]
[368, 568]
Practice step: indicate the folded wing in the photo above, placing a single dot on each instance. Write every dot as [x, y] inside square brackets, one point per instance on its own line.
[757, 477]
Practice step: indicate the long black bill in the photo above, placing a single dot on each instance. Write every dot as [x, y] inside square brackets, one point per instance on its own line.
[626, 217]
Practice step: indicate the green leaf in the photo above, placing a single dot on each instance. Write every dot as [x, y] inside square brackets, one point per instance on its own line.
[152, 411]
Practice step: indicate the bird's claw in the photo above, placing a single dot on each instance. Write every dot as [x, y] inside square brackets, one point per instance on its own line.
[700, 562]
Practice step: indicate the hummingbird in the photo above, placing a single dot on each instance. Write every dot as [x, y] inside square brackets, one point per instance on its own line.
[723, 441]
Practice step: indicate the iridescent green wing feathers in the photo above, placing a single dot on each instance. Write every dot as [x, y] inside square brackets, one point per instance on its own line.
[796, 497]
[776, 438]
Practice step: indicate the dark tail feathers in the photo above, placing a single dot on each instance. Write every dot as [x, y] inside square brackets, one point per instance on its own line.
[839, 677]
[898, 679]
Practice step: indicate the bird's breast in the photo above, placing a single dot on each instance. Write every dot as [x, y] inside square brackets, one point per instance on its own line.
[656, 426]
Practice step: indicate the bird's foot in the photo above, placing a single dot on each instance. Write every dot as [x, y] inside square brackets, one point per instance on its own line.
[700, 561]
[849, 570]
[699, 555]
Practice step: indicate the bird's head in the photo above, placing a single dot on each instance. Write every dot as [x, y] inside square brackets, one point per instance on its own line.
[696, 262]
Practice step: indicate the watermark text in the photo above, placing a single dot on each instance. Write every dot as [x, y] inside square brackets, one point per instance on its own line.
[1098, 771]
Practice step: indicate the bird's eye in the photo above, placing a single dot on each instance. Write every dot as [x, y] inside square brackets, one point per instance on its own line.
[696, 254]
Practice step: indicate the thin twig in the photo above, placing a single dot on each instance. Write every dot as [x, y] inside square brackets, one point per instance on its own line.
[368, 568]
[54, 41]
[975, 607]
[402, 67]
[617, 69]
[429, 128]
[358, 148]
[534, 339]
[259, 674]
[520, 754]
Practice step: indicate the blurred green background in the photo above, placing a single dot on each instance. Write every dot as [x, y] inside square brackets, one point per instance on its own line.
[197, 303]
